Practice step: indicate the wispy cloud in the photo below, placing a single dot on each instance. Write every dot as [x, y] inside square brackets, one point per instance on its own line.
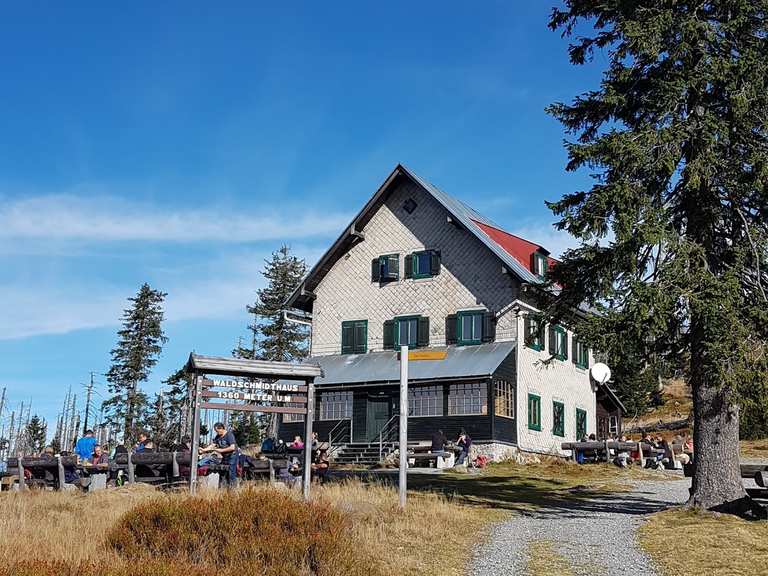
[546, 235]
[65, 217]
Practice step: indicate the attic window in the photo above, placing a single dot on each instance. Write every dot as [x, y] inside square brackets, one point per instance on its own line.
[539, 264]
[410, 205]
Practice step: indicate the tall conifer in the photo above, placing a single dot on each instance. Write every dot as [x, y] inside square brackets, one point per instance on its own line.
[139, 344]
[674, 229]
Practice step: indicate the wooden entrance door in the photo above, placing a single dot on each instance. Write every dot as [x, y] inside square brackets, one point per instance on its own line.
[378, 413]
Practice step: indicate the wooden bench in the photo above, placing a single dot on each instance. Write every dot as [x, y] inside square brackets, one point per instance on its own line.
[428, 457]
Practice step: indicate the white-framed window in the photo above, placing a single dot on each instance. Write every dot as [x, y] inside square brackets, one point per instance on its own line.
[425, 401]
[613, 425]
[558, 342]
[336, 405]
[504, 399]
[540, 265]
[294, 417]
[580, 354]
[467, 399]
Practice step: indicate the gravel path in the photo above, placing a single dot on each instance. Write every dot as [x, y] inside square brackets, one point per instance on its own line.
[597, 536]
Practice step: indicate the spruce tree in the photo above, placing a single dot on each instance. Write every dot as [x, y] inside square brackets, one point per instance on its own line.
[674, 229]
[139, 344]
[177, 405]
[274, 338]
[35, 434]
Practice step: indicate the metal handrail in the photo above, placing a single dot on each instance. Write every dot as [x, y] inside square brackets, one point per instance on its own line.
[344, 433]
[387, 428]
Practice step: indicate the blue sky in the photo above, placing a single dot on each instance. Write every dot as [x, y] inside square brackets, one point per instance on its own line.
[179, 143]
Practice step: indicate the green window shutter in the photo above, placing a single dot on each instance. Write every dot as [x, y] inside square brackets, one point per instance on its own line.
[564, 336]
[575, 350]
[434, 263]
[408, 265]
[489, 327]
[558, 418]
[527, 331]
[581, 423]
[552, 347]
[361, 337]
[375, 270]
[534, 412]
[451, 326]
[422, 339]
[347, 337]
[389, 335]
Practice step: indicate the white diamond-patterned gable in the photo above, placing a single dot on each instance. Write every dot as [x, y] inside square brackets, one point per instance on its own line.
[470, 276]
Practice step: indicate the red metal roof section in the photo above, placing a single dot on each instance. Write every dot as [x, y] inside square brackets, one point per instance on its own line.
[519, 248]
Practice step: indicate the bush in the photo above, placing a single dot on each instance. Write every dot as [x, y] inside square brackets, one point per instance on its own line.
[252, 531]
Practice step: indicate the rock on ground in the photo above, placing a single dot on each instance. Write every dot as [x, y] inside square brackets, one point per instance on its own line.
[596, 535]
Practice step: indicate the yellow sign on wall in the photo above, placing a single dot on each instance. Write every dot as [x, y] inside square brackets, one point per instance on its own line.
[427, 354]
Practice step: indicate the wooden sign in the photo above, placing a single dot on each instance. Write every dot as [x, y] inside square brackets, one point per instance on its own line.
[427, 354]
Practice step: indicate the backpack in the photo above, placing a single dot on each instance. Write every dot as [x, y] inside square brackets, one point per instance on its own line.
[268, 445]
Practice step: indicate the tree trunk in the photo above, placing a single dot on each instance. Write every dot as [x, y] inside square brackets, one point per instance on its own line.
[717, 481]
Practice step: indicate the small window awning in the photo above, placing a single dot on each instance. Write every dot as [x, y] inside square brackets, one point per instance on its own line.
[461, 362]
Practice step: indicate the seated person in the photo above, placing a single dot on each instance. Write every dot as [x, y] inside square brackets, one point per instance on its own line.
[223, 446]
[438, 441]
[320, 465]
[141, 443]
[465, 443]
[297, 444]
[100, 457]
[84, 446]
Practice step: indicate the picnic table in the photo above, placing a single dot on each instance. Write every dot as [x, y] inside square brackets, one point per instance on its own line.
[162, 468]
[604, 447]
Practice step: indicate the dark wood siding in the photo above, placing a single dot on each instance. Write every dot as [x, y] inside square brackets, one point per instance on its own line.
[605, 408]
[288, 430]
[478, 427]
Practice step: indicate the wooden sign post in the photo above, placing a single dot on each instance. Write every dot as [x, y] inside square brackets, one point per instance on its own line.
[253, 386]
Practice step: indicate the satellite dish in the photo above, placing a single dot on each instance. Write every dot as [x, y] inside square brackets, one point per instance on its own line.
[600, 373]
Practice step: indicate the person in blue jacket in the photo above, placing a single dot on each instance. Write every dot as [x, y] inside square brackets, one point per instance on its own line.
[84, 447]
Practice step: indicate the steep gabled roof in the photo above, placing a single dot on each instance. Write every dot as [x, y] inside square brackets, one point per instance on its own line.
[474, 222]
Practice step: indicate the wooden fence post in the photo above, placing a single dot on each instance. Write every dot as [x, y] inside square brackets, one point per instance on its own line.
[62, 476]
[131, 471]
[22, 481]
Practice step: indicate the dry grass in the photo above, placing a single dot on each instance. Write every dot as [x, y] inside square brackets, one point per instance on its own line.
[69, 533]
[432, 536]
[543, 560]
[755, 448]
[67, 526]
[85, 534]
[688, 543]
